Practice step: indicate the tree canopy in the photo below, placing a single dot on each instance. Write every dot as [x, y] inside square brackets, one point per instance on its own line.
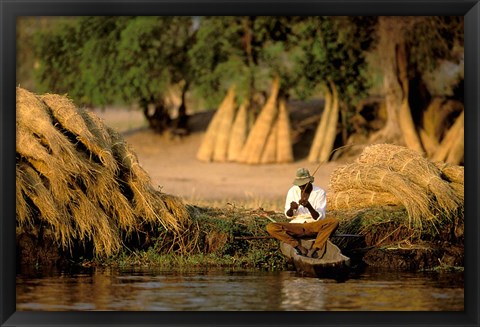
[103, 60]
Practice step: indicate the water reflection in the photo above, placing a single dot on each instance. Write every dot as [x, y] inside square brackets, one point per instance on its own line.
[150, 290]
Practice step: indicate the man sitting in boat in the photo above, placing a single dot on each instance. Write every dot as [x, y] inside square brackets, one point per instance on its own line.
[305, 206]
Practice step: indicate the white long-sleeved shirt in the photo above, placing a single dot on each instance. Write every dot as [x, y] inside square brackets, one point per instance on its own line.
[317, 198]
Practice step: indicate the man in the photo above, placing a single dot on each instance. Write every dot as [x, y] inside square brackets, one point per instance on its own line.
[305, 205]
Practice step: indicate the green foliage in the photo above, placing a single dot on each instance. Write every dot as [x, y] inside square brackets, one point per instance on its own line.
[432, 39]
[333, 49]
[100, 60]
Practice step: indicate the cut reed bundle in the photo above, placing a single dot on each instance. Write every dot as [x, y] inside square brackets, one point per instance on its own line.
[65, 112]
[381, 179]
[359, 198]
[414, 167]
[238, 134]
[451, 173]
[207, 148]
[284, 140]
[227, 115]
[257, 138]
[78, 177]
[269, 154]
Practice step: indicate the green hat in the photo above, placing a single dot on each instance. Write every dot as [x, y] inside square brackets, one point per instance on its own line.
[302, 177]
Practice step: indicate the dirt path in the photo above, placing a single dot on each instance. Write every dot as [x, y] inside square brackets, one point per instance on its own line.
[173, 166]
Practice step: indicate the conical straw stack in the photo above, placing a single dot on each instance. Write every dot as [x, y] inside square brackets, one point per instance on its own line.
[257, 139]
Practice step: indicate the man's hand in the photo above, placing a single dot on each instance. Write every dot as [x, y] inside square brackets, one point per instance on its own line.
[304, 202]
[293, 205]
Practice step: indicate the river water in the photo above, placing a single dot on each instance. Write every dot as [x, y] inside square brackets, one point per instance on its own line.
[226, 290]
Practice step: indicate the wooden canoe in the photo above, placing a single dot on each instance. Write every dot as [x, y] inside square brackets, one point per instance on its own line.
[332, 265]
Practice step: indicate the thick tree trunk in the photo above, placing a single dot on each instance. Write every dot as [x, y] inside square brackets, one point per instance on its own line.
[386, 49]
[156, 114]
[407, 125]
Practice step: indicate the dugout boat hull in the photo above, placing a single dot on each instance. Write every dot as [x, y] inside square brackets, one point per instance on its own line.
[332, 265]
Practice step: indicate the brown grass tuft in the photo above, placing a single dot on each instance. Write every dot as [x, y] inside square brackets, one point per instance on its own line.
[414, 167]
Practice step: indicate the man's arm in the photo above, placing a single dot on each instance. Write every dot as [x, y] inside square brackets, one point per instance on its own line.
[314, 213]
[291, 210]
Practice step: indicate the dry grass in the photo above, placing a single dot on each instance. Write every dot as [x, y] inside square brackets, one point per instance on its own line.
[257, 138]
[79, 178]
[416, 168]
[452, 173]
[380, 179]
[386, 174]
[359, 198]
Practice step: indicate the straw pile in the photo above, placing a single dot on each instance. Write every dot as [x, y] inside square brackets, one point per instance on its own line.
[229, 138]
[79, 178]
[359, 198]
[215, 143]
[269, 140]
[386, 174]
[239, 133]
[455, 175]
[415, 167]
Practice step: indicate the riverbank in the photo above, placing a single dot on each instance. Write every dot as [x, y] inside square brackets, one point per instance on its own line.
[209, 211]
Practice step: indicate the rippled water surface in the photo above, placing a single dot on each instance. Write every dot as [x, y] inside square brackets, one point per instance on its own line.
[219, 290]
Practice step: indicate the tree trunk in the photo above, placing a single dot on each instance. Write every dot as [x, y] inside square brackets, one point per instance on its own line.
[182, 118]
[390, 34]
[407, 125]
[156, 114]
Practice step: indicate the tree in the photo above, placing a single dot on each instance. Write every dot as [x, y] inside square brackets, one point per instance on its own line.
[333, 59]
[101, 60]
[246, 52]
[409, 48]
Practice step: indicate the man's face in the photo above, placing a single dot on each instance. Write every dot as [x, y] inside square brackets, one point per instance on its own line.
[306, 188]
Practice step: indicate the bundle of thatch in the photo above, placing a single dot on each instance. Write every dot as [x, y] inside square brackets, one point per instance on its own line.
[257, 139]
[359, 198]
[269, 140]
[386, 174]
[238, 135]
[229, 138]
[415, 167]
[381, 179]
[79, 178]
[216, 140]
[454, 175]
[284, 153]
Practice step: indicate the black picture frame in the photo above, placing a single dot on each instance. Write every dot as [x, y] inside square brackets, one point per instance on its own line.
[10, 10]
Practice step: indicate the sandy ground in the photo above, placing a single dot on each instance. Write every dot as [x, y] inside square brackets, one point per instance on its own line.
[173, 166]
